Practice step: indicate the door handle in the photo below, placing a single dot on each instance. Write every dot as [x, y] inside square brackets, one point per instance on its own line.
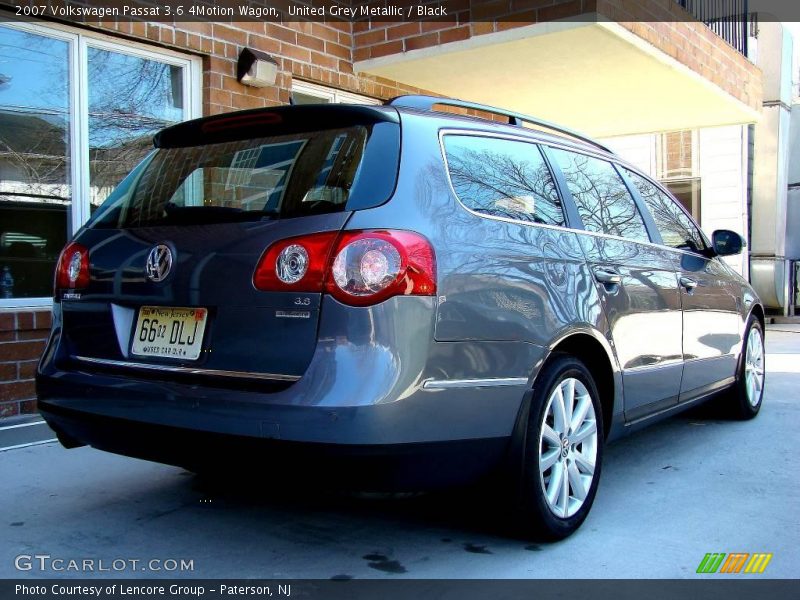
[607, 276]
[688, 283]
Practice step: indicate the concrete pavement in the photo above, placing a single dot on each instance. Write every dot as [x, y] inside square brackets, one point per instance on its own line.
[669, 494]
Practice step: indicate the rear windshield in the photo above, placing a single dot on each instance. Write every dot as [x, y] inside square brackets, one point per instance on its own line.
[281, 176]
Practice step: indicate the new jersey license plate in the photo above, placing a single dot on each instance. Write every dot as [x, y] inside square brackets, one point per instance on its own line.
[167, 332]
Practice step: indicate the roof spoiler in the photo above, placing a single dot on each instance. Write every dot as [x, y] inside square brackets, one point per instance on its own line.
[261, 122]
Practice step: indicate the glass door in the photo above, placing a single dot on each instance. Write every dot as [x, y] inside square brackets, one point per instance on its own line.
[36, 135]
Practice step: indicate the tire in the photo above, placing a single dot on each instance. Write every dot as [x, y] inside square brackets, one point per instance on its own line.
[743, 400]
[547, 507]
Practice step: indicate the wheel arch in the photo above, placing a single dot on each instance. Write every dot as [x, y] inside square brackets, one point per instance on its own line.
[758, 311]
[598, 358]
[593, 349]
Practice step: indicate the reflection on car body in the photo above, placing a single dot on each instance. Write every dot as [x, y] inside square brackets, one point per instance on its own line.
[393, 297]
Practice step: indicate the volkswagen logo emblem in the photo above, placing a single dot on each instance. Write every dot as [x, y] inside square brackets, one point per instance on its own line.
[159, 263]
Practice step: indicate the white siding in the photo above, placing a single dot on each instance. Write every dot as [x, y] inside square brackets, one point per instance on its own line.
[794, 146]
[723, 177]
[638, 150]
[723, 184]
[793, 198]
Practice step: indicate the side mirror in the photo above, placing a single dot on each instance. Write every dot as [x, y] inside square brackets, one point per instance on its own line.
[727, 243]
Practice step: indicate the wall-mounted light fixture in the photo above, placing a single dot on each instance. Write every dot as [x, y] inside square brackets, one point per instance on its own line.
[256, 68]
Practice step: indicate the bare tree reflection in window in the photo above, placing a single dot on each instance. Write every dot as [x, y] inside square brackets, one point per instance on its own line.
[130, 99]
[673, 224]
[503, 178]
[34, 118]
[603, 201]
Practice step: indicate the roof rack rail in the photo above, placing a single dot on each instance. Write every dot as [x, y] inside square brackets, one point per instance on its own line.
[420, 102]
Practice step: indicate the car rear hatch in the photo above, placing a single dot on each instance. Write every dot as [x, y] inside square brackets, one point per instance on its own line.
[171, 254]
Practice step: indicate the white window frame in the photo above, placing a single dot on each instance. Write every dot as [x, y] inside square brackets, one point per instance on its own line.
[79, 42]
[330, 94]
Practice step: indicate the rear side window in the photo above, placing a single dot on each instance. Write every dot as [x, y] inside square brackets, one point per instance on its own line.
[280, 176]
[503, 178]
[603, 200]
[674, 225]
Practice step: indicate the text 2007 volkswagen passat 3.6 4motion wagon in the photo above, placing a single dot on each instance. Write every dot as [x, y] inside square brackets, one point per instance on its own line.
[393, 297]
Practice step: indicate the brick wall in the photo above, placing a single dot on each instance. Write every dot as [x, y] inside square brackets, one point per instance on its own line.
[22, 339]
[317, 52]
[690, 43]
[373, 40]
[654, 21]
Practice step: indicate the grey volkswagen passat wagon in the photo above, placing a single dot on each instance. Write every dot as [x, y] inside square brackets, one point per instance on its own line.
[393, 297]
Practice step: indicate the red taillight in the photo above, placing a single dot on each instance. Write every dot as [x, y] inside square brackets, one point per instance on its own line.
[356, 267]
[295, 264]
[72, 271]
[370, 266]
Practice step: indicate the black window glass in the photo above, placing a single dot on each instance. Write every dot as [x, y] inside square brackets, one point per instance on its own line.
[603, 201]
[35, 186]
[676, 228]
[243, 180]
[503, 178]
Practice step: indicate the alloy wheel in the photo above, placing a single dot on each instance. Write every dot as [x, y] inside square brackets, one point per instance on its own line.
[754, 367]
[568, 447]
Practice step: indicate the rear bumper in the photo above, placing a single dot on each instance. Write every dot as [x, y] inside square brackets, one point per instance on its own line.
[367, 391]
[289, 413]
[431, 438]
[374, 467]
[384, 385]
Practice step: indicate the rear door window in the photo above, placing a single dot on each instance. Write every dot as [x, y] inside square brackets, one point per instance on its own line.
[503, 178]
[676, 228]
[604, 202]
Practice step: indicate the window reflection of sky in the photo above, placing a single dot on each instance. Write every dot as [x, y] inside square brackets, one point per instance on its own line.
[130, 96]
[33, 71]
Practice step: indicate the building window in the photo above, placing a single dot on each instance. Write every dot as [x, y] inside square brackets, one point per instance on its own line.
[77, 112]
[35, 172]
[677, 167]
[311, 93]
